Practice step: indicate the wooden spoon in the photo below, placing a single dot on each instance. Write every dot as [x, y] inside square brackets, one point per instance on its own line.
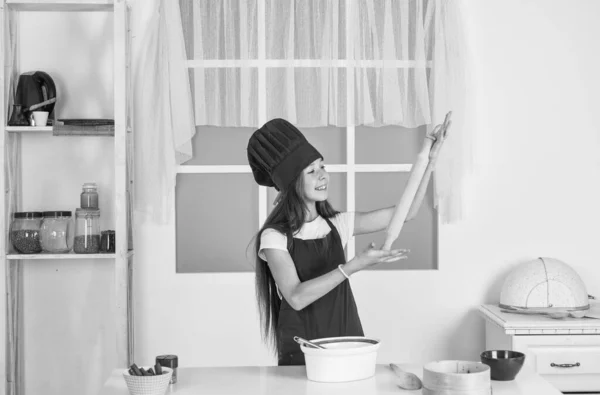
[406, 380]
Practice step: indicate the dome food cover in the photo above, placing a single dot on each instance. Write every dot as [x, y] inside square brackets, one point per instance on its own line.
[544, 283]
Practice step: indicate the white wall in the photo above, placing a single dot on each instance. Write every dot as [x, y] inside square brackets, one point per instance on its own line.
[535, 66]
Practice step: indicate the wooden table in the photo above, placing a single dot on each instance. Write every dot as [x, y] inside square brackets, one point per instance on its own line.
[291, 380]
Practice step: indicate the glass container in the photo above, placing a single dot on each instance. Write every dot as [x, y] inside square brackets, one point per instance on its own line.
[56, 232]
[89, 196]
[107, 241]
[25, 232]
[87, 231]
[169, 361]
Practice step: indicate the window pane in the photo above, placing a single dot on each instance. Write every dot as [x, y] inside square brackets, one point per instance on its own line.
[221, 93]
[307, 96]
[216, 219]
[377, 190]
[220, 29]
[337, 191]
[214, 145]
[329, 141]
[388, 144]
[319, 29]
[389, 30]
[391, 96]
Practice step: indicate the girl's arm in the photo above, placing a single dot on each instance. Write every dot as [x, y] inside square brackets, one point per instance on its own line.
[301, 294]
[376, 220]
[372, 221]
[439, 135]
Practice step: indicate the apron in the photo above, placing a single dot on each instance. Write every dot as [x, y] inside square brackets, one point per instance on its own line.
[334, 314]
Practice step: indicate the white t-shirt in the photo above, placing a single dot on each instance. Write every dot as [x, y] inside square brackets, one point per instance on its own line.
[316, 229]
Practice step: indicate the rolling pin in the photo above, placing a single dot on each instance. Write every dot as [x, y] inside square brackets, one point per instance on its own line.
[425, 163]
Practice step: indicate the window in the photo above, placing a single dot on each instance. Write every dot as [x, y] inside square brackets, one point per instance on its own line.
[219, 206]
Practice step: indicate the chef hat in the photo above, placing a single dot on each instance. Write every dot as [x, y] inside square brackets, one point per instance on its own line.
[278, 152]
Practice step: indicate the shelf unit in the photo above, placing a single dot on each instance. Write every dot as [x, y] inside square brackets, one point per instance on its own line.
[10, 327]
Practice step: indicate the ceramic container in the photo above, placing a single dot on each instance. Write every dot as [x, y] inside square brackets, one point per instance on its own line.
[344, 359]
[456, 378]
[148, 385]
[504, 364]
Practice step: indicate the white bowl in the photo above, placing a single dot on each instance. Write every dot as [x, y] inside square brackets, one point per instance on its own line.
[346, 358]
[456, 377]
[148, 385]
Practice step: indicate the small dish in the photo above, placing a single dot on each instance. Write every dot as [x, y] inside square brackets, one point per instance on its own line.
[504, 364]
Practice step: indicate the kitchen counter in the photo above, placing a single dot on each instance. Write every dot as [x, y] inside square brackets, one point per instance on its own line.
[292, 380]
[534, 324]
[564, 352]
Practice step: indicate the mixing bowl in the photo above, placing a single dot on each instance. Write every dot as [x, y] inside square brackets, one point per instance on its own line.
[504, 364]
[347, 358]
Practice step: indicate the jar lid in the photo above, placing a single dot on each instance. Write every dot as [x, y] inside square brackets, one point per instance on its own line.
[93, 212]
[55, 214]
[89, 185]
[28, 214]
[170, 361]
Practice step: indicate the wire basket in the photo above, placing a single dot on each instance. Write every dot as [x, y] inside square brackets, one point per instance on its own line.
[148, 385]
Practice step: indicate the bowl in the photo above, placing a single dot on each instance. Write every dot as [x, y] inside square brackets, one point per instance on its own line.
[346, 358]
[148, 385]
[456, 377]
[504, 364]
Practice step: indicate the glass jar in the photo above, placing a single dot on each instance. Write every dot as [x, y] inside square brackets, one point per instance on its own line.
[56, 232]
[107, 241]
[169, 361]
[25, 232]
[89, 196]
[87, 231]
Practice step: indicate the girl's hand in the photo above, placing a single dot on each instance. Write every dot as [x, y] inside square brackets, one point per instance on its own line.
[371, 256]
[438, 135]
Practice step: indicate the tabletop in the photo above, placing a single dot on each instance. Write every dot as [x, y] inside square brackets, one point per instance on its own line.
[291, 380]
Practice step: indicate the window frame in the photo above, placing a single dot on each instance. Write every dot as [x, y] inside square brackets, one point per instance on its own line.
[350, 168]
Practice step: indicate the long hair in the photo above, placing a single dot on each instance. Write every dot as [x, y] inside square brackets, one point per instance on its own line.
[287, 217]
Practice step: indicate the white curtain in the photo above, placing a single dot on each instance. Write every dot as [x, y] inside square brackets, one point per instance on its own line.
[408, 58]
[163, 112]
[449, 84]
[388, 31]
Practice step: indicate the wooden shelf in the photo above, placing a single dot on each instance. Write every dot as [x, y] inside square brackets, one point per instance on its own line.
[121, 137]
[70, 255]
[85, 131]
[60, 256]
[29, 129]
[60, 5]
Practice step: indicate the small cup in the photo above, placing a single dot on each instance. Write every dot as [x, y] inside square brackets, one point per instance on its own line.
[40, 118]
[504, 364]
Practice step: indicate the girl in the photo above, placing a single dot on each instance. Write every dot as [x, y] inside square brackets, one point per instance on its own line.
[301, 269]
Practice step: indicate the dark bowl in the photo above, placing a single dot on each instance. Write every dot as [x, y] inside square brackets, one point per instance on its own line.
[504, 364]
